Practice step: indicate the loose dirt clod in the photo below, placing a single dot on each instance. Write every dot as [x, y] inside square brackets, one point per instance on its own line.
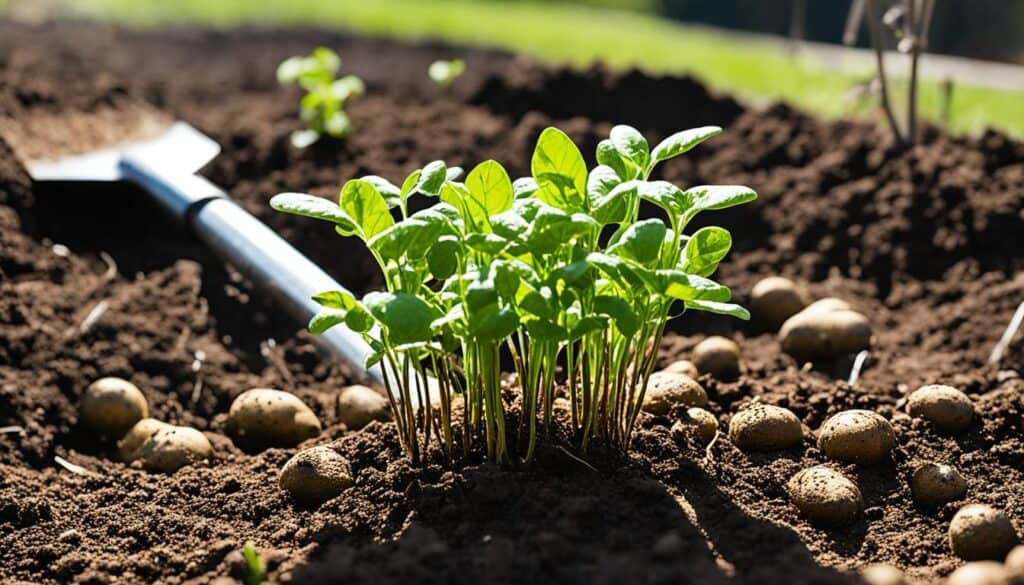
[825, 330]
[949, 409]
[717, 356]
[171, 448]
[698, 424]
[934, 484]
[825, 496]
[264, 417]
[666, 390]
[316, 475]
[981, 573]
[979, 532]
[764, 427]
[775, 299]
[111, 406]
[358, 406]
[856, 436]
[882, 574]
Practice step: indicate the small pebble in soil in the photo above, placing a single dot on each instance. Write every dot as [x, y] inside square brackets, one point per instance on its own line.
[764, 427]
[883, 574]
[949, 409]
[825, 496]
[934, 484]
[697, 424]
[825, 330]
[264, 417]
[1015, 561]
[316, 475]
[981, 573]
[358, 406]
[111, 406]
[979, 533]
[685, 367]
[666, 390]
[856, 436]
[775, 299]
[717, 356]
[171, 448]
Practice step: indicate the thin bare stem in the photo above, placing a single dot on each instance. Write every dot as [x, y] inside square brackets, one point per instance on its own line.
[876, 40]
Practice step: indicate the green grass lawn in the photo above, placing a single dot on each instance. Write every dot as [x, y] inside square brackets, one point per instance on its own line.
[566, 33]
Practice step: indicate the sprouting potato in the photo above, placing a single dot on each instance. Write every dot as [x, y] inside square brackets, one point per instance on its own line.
[111, 406]
[358, 406]
[685, 367]
[826, 329]
[171, 448]
[934, 484]
[666, 390]
[883, 574]
[698, 424]
[129, 445]
[979, 532]
[717, 356]
[981, 573]
[775, 299]
[856, 436]
[949, 409]
[315, 475]
[264, 417]
[763, 427]
[1015, 560]
[825, 496]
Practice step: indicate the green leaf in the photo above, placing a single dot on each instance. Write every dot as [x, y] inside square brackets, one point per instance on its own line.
[689, 287]
[443, 73]
[681, 142]
[586, 325]
[524, 187]
[335, 299]
[490, 191]
[708, 197]
[601, 181]
[631, 144]
[410, 182]
[326, 319]
[406, 318]
[560, 171]
[443, 257]
[312, 206]
[491, 244]
[720, 308]
[411, 238]
[453, 173]
[620, 312]
[615, 206]
[609, 156]
[705, 249]
[544, 330]
[665, 195]
[493, 323]
[366, 206]
[432, 177]
[391, 193]
[359, 319]
[642, 241]
[346, 87]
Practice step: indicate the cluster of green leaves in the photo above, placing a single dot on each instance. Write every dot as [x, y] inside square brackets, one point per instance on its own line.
[444, 73]
[558, 267]
[323, 106]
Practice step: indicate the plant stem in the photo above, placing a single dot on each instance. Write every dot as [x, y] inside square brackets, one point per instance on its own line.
[877, 41]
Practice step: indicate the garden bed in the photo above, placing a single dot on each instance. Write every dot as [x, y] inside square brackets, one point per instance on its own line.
[926, 242]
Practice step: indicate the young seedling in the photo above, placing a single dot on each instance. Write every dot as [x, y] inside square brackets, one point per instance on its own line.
[444, 73]
[557, 268]
[323, 106]
[256, 569]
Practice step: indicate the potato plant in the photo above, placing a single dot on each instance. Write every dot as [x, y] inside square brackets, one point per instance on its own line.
[558, 268]
[323, 106]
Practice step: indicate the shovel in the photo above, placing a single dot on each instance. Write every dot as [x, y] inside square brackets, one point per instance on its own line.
[164, 164]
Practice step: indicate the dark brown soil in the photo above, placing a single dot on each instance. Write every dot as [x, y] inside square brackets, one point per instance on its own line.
[926, 241]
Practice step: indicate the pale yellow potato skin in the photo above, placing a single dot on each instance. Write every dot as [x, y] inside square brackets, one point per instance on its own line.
[111, 406]
[950, 410]
[698, 424]
[1015, 560]
[265, 417]
[172, 448]
[129, 445]
[764, 427]
[856, 436]
[775, 299]
[358, 406]
[825, 496]
[668, 389]
[823, 334]
[882, 574]
[933, 484]
[981, 533]
[717, 356]
[315, 475]
[981, 573]
[683, 367]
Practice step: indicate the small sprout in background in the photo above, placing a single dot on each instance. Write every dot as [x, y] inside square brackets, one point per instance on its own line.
[444, 73]
[323, 106]
[256, 568]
